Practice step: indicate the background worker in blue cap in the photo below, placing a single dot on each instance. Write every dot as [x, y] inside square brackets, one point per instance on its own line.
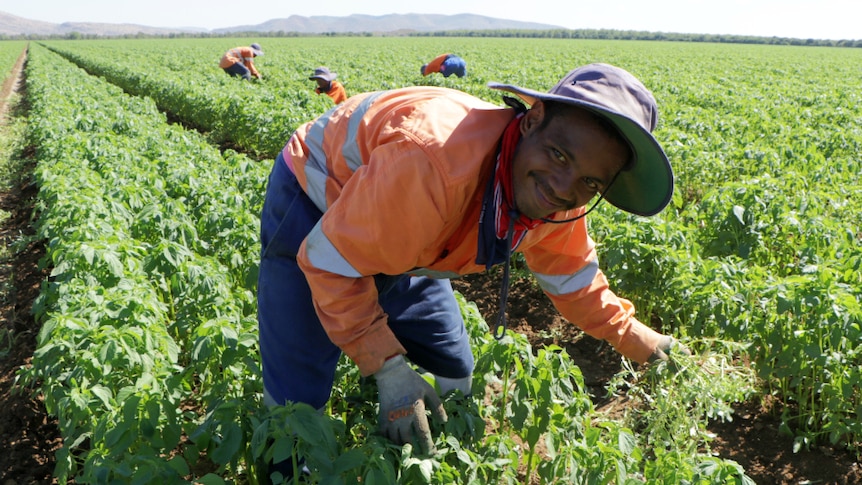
[446, 64]
[239, 61]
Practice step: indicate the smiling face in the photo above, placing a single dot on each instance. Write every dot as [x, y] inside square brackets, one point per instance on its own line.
[565, 156]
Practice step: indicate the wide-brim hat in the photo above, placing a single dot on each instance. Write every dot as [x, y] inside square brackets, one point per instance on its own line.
[257, 50]
[323, 73]
[645, 187]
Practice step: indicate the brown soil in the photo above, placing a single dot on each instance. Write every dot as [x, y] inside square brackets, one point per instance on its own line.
[29, 437]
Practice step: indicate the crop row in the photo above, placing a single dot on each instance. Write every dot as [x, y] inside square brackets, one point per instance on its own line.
[148, 331]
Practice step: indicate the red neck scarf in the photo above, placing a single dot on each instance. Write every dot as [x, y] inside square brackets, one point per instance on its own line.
[504, 197]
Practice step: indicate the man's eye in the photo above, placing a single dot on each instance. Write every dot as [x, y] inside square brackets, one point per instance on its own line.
[593, 184]
[558, 155]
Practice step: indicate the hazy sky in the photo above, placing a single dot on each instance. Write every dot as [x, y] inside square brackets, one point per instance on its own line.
[829, 19]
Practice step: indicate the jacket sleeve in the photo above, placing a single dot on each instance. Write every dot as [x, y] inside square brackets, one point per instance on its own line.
[250, 65]
[386, 216]
[337, 93]
[254, 71]
[248, 61]
[434, 65]
[565, 263]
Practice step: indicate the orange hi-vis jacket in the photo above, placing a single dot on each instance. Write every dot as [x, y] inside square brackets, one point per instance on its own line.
[244, 55]
[400, 177]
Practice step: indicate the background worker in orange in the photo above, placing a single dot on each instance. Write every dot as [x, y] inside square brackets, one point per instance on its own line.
[446, 64]
[326, 83]
[239, 61]
[374, 205]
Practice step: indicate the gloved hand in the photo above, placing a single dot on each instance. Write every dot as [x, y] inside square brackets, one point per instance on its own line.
[667, 345]
[402, 393]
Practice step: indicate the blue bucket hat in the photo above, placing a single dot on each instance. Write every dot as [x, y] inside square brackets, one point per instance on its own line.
[323, 72]
[645, 186]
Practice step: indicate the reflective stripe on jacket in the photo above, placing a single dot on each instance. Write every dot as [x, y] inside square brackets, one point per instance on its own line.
[400, 177]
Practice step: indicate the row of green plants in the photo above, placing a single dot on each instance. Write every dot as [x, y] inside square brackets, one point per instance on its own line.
[148, 349]
[194, 90]
[761, 243]
[9, 54]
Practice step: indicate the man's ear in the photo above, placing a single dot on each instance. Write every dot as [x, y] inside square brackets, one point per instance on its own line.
[533, 117]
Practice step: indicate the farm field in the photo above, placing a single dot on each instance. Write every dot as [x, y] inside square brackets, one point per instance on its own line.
[150, 165]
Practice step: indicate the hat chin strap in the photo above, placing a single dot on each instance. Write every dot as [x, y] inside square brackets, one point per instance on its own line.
[573, 219]
[500, 324]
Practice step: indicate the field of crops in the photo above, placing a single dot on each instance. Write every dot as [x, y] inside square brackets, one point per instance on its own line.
[151, 170]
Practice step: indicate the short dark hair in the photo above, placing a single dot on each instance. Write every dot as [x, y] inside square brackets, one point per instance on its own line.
[555, 109]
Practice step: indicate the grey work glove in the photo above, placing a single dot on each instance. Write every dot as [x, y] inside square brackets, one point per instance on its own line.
[667, 345]
[402, 393]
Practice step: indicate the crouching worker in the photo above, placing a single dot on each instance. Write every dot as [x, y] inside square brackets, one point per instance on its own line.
[445, 64]
[373, 206]
[239, 61]
[326, 83]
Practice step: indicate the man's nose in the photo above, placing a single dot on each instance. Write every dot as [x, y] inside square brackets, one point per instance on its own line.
[564, 184]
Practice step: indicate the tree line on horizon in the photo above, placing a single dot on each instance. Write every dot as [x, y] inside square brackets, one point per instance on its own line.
[594, 34]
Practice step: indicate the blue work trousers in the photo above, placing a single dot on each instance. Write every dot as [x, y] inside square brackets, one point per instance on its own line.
[298, 358]
[454, 65]
[239, 69]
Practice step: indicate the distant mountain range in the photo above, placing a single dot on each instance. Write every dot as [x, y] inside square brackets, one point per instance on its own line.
[13, 25]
